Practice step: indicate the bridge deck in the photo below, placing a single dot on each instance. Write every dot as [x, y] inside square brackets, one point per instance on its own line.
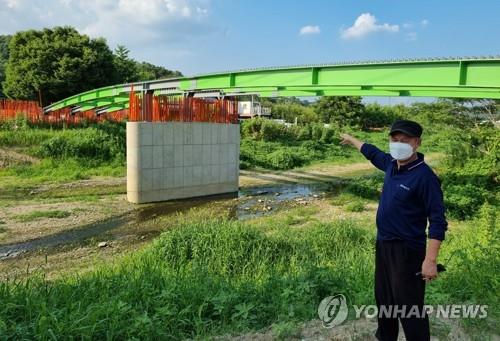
[451, 77]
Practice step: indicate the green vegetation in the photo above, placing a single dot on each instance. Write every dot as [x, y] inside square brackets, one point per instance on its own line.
[42, 214]
[210, 277]
[60, 62]
[200, 278]
[355, 206]
[65, 154]
[471, 171]
[341, 111]
[129, 70]
[272, 145]
[4, 57]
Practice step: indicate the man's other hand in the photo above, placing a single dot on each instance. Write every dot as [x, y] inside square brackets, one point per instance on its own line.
[348, 139]
[429, 270]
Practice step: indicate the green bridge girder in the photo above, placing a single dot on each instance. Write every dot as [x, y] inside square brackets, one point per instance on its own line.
[450, 77]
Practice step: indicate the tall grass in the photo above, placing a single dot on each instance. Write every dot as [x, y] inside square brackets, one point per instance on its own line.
[201, 278]
[211, 277]
[49, 170]
[472, 257]
[25, 137]
[66, 154]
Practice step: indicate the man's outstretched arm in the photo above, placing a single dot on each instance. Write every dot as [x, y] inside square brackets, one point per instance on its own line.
[377, 157]
[348, 139]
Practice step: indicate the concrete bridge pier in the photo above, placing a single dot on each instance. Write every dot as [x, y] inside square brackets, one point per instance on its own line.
[173, 160]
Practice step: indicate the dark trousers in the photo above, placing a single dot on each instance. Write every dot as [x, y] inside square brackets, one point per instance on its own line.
[396, 285]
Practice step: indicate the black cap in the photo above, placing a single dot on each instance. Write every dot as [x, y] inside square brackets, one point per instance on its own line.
[407, 127]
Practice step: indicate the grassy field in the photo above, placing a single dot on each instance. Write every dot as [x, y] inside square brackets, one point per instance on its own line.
[208, 274]
[32, 155]
[212, 276]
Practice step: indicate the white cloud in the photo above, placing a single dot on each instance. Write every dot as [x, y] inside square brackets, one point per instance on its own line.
[129, 22]
[424, 23]
[411, 36]
[11, 3]
[365, 24]
[309, 29]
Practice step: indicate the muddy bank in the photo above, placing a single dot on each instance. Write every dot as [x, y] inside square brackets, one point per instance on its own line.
[248, 203]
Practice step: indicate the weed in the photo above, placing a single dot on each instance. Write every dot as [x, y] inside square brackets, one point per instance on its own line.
[355, 206]
[42, 214]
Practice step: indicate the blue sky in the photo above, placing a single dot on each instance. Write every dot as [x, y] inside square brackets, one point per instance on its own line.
[197, 36]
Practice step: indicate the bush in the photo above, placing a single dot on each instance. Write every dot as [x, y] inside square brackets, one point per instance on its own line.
[272, 145]
[316, 132]
[252, 128]
[103, 144]
[355, 206]
[378, 116]
[470, 171]
[368, 187]
[303, 133]
[473, 251]
[272, 131]
[284, 159]
[463, 201]
[327, 135]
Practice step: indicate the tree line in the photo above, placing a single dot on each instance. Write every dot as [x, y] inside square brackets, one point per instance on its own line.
[340, 111]
[54, 63]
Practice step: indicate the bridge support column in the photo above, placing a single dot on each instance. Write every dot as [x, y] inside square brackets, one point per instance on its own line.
[172, 160]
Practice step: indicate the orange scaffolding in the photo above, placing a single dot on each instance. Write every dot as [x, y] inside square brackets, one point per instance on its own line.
[181, 109]
[156, 109]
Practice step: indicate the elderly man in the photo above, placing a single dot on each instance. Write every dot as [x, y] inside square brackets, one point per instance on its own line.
[411, 197]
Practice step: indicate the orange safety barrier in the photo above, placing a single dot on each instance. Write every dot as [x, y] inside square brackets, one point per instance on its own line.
[33, 113]
[10, 109]
[181, 109]
[156, 109]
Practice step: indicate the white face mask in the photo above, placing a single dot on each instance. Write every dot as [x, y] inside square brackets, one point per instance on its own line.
[400, 150]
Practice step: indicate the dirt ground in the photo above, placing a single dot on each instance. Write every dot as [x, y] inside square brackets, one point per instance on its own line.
[358, 330]
[98, 199]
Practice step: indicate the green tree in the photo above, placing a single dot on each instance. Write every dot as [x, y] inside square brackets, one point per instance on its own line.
[129, 70]
[59, 62]
[379, 116]
[476, 108]
[4, 56]
[147, 71]
[340, 110]
[126, 68]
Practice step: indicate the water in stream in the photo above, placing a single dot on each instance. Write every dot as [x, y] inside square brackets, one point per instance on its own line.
[246, 204]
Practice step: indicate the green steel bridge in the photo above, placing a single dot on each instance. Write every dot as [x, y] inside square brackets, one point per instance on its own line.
[471, 77]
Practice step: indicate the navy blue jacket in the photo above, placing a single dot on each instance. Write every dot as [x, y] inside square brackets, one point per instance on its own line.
[411, 196]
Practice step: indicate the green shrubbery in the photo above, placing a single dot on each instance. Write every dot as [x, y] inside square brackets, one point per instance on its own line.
[470, 172]
[95, 143]
[66, 153]
[266, 130]
[101, 142]
[272, 145]
[472, 258]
